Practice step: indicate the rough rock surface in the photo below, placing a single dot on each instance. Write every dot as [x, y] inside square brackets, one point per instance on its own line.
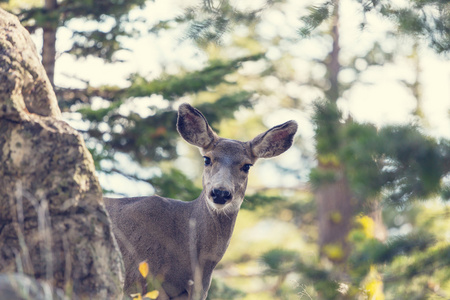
[23, 287]
[53, 224]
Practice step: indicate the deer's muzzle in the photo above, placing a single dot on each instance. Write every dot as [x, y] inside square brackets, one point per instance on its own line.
[220, 196]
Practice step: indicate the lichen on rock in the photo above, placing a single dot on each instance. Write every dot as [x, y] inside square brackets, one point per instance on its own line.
[53, 224]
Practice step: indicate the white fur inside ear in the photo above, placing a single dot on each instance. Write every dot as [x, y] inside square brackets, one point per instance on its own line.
[194, 127]
[274, 141]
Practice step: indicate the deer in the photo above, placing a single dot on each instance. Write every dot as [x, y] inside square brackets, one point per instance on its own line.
[183, 241]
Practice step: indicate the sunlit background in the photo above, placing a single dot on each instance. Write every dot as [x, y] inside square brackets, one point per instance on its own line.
[380, 98]
[380, 92]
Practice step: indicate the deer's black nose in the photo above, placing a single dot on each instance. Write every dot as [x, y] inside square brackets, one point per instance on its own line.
[220, 196]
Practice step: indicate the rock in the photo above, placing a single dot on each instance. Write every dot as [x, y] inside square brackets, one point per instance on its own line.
[22, 287]
[53, 224]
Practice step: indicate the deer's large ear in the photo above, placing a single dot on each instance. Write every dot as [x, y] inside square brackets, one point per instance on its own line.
[194, 128]
[274, 141]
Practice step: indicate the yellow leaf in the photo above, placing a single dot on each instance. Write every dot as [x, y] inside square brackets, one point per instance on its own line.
[367, 224]
[143, 268]
[334, 251]
[374, 285]
[152, 295]
[136, 296]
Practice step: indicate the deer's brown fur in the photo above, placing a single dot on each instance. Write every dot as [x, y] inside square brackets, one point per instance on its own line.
[183, 241]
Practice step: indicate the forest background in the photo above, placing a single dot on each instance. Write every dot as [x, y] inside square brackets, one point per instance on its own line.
[357, 210]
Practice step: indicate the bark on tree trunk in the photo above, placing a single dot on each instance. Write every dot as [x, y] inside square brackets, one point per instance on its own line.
[53, 224]
[333, 64]
[335, 210]
[334, 200]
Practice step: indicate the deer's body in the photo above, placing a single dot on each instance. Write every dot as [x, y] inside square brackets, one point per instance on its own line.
[178, 245]
[183, 241]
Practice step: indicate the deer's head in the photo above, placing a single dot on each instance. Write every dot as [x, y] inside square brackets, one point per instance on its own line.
[227, 162]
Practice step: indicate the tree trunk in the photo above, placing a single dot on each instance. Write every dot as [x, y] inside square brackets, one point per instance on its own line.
[335, 211]
[333, 65]
[334, 199]
[53, 224]
[49, 41]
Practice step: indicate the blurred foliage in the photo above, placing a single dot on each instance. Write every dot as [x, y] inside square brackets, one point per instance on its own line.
[103, 43]
[317, 15]
[280, 261]
[152, 137]
[400, 161]
[174, 184]
[427, 19]
[171, 87]
[220, 291]
[210, 20]
[251, 202]
[419, 252]
[327, 122]
[397, 164]
[413, 163]
[370, 251]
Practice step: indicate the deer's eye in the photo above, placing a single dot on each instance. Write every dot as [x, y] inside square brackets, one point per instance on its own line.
[246, 168]
[207, 160]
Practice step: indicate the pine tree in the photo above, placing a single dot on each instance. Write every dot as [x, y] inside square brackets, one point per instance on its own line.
[357, 163]
[97, 42]
[152, 138]
[362, 161]
[149, 139]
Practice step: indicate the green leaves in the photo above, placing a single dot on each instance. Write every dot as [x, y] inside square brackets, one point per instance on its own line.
[98, 115]
[144, 271]
[211, 20]
[174, 86]
[151, 137]
[375, 252]
[412, 161]
[360, 156]
[228, 104]
[252, 202]
[427, 19]
[280, 261]
[95, 42]
[317, 15]
[219, 290]
[326, 120]
[174, 184]
[401, 161]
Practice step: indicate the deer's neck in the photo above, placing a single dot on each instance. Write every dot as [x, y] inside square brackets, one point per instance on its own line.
[213, 228]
